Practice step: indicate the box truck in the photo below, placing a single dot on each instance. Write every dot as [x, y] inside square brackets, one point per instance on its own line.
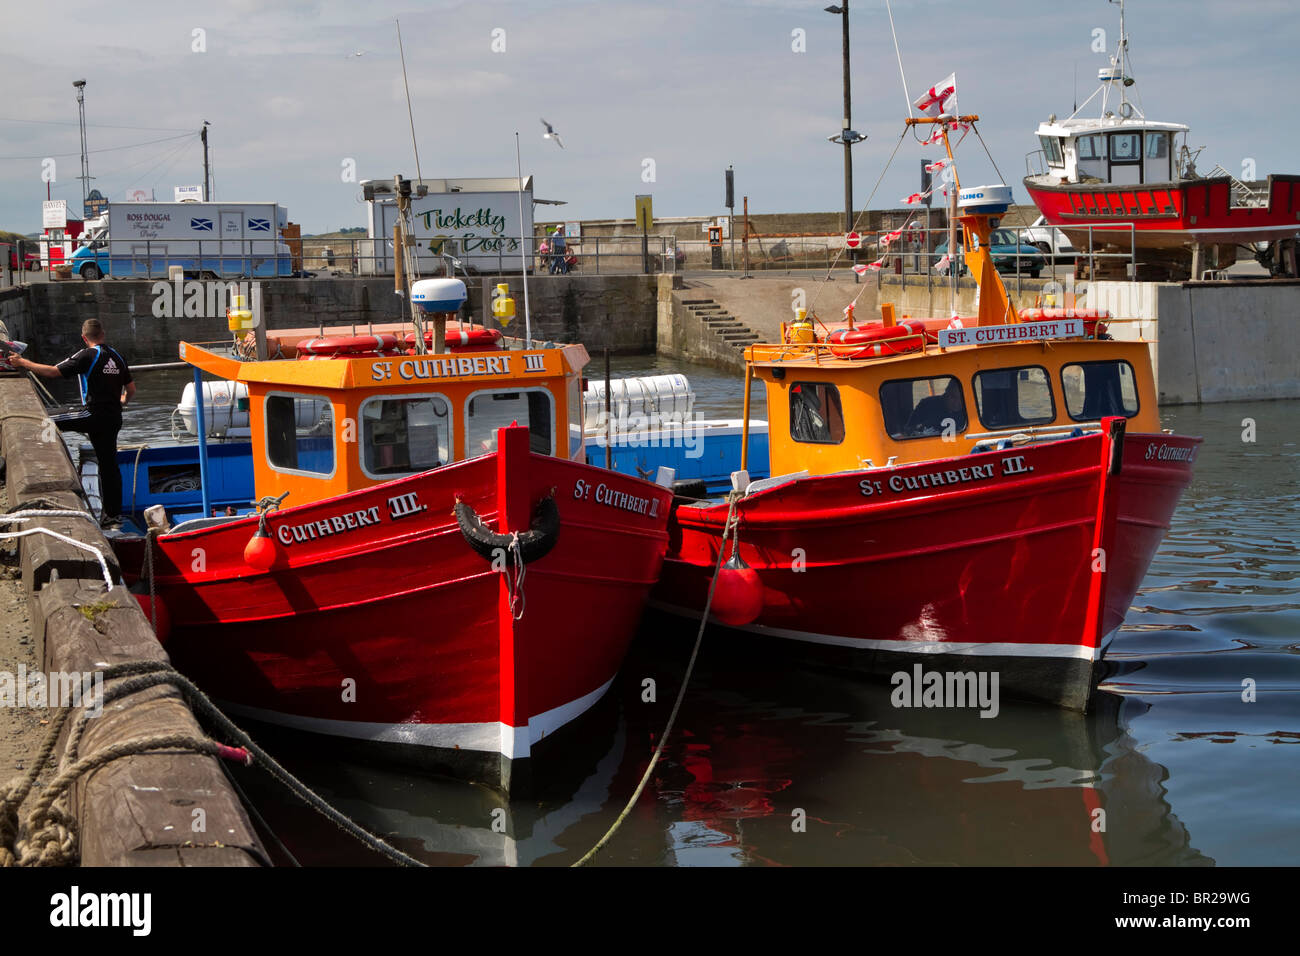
[206, 239]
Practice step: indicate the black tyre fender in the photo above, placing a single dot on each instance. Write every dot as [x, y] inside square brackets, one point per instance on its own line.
[693, 488]
[535, 543]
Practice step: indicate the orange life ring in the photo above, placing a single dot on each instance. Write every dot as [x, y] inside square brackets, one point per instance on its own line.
[347, 346]
[462, 339]
[1037, 314]
[866, 341]
[303, 357]
[1094, 320]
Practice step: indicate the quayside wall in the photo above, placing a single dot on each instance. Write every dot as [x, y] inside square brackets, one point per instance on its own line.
[166, 807]
[147, 319]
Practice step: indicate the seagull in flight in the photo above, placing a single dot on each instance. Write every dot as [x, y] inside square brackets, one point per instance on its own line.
[551, 134]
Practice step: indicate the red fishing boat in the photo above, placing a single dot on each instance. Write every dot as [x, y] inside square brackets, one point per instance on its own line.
[1119, 179]
[981, 494]
[435, 571]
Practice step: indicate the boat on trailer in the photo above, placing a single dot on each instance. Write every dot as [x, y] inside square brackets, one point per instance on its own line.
[1119, 180]
[964, 495]
[435, 572]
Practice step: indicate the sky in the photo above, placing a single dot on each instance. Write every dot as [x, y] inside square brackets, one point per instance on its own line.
[303, 95]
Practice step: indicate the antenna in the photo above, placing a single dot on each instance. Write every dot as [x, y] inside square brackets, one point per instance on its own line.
[907, 98]
[419, 177]
[523, 244]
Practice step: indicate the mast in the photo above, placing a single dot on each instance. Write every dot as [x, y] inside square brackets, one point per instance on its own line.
[943, 122]
[1122, 56]
[523, 245]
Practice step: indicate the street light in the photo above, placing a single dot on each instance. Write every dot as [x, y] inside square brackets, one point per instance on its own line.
[80, 86]
[847, 135]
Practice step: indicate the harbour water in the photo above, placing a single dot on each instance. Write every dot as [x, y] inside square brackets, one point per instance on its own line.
[1189, 756]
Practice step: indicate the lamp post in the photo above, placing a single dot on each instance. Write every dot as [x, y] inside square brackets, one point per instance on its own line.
[80, 86]
[847, 136]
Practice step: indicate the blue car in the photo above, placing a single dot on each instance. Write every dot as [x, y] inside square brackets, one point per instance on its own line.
[1004, 248]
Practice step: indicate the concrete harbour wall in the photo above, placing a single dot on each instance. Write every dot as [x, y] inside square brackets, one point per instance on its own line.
[146, 319]
[1213, 341]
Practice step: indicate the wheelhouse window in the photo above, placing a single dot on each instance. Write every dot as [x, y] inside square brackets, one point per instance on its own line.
[1052, 149]
[923, 407]
[300, 434]
[404, 434]
[1091, 147]
[815, 413]
[1014, 397]
[487, 411]
[1125, 147]
[1094, 390]
[1157, 164]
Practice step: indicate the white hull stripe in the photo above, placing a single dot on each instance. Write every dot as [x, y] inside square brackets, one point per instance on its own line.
[903, 646]
[490, 737]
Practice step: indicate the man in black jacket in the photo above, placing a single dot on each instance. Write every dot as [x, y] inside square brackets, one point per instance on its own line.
[106, 387]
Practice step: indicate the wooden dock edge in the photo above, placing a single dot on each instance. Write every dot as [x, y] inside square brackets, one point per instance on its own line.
[168, 808]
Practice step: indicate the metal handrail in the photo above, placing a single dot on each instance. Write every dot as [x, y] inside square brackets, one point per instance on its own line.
[275, 257]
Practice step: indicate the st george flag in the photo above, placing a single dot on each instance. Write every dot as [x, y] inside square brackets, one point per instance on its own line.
[940, 98]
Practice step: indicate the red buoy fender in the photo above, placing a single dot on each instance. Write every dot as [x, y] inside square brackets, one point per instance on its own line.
[738, 594]
[261, 551]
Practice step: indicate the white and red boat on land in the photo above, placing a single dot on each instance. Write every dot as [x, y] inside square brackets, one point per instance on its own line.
[973, 495]
[1118, 179]
[447, 581]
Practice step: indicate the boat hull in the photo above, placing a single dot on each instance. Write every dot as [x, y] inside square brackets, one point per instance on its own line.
[1167, 215]
[1020, 562]
[380, 625]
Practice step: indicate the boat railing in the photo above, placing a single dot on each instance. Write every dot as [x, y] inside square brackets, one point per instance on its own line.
[1242, 195]
[835, 349]
[919, 254]
[1011, 438]
[1035, 163]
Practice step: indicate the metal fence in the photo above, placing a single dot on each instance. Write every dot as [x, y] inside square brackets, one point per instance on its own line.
[361, 256]
[910, 251]
[1036, 252]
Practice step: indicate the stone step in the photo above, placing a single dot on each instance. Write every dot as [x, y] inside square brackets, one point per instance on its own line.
[695, 302]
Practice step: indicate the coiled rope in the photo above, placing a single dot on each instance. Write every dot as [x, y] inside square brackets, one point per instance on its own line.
[729, 528]
[51, 830]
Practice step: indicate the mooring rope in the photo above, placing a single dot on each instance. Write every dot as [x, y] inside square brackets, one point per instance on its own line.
[515, 578]
[51, 829]
[728, 528]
